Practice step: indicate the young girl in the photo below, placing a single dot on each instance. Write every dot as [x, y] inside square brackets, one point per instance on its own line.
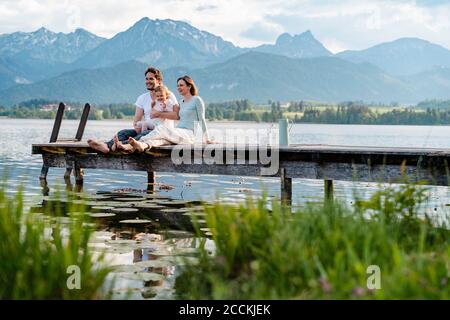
[162, 103]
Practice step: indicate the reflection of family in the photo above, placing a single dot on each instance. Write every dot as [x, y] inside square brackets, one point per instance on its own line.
[156, 111]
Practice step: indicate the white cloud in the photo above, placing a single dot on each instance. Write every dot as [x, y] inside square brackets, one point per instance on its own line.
[340, 24]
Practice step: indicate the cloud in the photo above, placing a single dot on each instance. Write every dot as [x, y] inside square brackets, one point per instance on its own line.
[206, 7]
[342, 24]
[263, 31]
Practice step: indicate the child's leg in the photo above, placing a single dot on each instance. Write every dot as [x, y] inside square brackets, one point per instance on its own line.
[148, 125]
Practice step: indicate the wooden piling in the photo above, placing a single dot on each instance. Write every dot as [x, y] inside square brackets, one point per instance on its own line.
[329, 190]
[79, 173]
[151, 181]
[286, 188]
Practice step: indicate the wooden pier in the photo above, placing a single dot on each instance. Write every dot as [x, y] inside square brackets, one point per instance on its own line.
[325, 162]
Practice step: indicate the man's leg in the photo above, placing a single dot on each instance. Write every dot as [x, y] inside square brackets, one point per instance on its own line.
[143, 133]
[123, 135]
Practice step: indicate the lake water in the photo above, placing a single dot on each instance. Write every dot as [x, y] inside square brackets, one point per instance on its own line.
[165, 237]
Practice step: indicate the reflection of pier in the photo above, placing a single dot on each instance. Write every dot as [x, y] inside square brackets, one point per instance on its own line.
[326, 162]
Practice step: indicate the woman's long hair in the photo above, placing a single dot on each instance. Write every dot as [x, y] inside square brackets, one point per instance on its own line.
[193, 88]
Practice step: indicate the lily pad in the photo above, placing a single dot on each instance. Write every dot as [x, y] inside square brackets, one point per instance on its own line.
[121, 242]
[124, 210]
[136, 221]
[128, 268]
[101, 208]
[155, 196]
[114, 249]
[175, 210]
[173, 202]
[102, 215]
[141, 276]
[148, 206]
[129, 199]
[95, 197]
[154, 263]
[180, 260]
[114, 204]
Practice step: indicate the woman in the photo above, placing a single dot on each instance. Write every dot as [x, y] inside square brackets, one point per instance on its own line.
[191, 110]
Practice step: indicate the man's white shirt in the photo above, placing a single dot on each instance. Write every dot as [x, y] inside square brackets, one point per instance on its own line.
[144, 101]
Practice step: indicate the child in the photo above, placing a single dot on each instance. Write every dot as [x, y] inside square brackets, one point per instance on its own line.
[162, 104]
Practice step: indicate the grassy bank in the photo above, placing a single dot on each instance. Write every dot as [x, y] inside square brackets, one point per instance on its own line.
[323, 252]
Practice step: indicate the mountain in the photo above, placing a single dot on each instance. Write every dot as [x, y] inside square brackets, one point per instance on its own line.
[49, 46]
[261, 76]
[435, 83]
[404, 56]
[253, 75]
[9, 75]
[121, 83]
[41, 54]
[299, 46]
[164, 43]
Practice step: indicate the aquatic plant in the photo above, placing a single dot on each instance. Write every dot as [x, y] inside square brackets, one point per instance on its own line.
[382, 248]
[43, 258]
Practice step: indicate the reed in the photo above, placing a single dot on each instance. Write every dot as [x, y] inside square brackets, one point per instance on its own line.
[324, 251]
[36, 251]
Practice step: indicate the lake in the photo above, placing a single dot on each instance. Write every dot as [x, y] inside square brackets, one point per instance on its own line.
[166, 237]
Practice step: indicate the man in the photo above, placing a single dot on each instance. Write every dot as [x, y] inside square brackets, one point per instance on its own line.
[144, 103]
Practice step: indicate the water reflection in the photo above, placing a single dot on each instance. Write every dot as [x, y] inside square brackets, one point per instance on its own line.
[146, 237]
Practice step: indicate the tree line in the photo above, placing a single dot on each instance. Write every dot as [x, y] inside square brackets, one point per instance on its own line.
[430, 112]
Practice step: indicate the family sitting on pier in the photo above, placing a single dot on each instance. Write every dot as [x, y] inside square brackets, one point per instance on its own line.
[156, 111]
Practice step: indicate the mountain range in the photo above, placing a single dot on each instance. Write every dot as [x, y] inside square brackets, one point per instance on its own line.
[81, 66]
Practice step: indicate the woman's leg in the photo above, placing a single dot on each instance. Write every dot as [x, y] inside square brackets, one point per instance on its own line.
[162, 135]
[146, 142]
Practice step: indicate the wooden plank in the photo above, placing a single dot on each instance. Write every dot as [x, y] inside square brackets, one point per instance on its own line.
[339, 151]
[242, 155]
[83, 121]
[57, 123]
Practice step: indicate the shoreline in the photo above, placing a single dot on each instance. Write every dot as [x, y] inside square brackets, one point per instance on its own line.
[253, 122]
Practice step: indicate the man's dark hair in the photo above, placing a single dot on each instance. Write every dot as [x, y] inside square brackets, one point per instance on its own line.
[156, 72]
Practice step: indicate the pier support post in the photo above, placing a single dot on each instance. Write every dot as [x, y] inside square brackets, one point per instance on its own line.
[79, 174]
[329, 190]
[151, 181]
[44, 172]
[67, 173]
[286, 188]
[44, 186]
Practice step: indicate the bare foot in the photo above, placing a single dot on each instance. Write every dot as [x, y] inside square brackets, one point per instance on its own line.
[98, 146]
[114, 147]
[139, 146]
[124, 147]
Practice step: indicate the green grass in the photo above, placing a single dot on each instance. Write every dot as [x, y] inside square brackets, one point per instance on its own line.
[35, 255]
[323, 251]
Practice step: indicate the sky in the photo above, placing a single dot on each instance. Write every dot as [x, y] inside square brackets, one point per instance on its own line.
[338, 24]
